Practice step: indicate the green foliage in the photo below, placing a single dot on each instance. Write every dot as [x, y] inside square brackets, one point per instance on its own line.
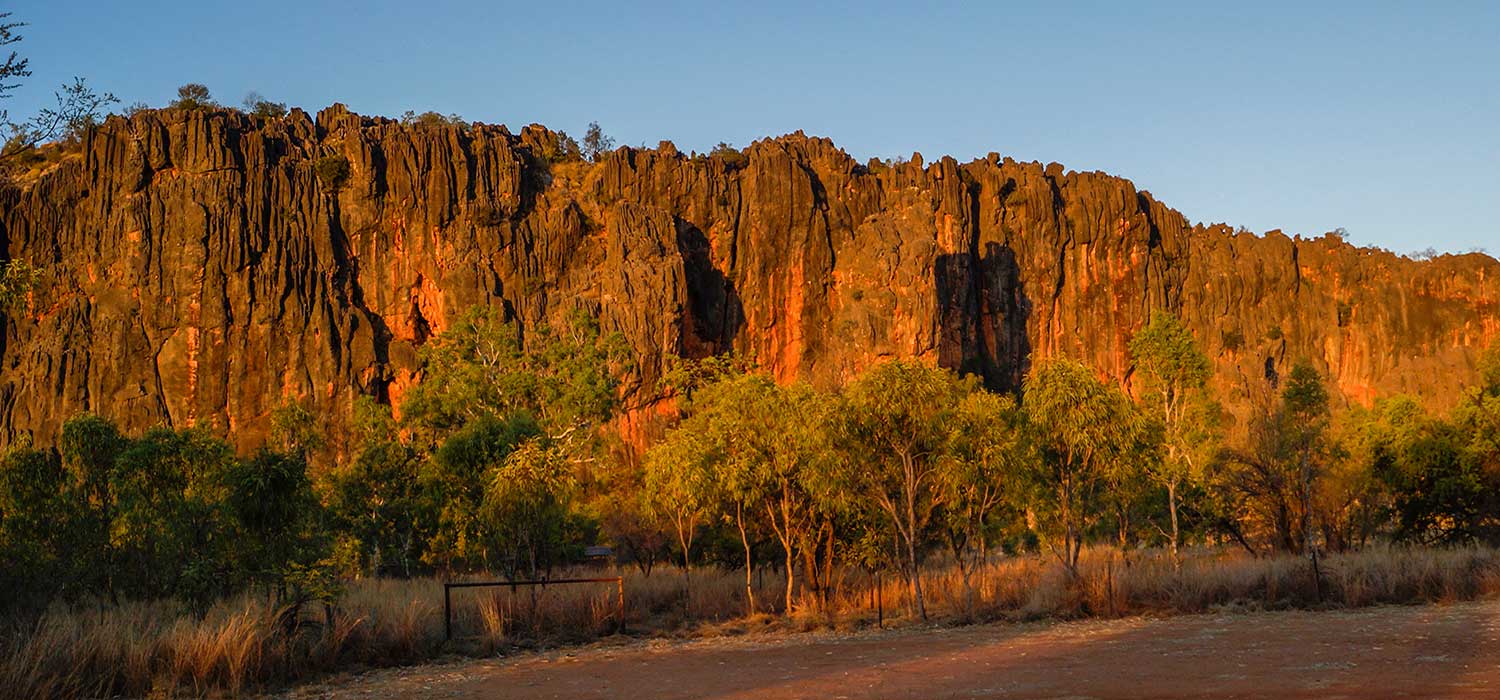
[730, 156]
[1081, 427]
[259, 106]
[377, 501]
[18, 279]
[269, 499]
[767, 449]
[1174, 375]
[1276, 478]
[77, 108]
[526, 502]
[680, 485]
[433, 120]
[595, 143]
[1232, 340]
[896, 433]
[562, 148]
[499, 463]
[14, 66]
[456, 477]
[171, 541]
[1489, 373]
[34, 537]
[990, 450]
[90, 448]
[194, 96]
[564, 377]
[333, 171]
[295, 430]
[1168, 358]
[170, 514]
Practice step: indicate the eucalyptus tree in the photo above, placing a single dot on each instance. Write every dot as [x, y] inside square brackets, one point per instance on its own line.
[1174, 376]
[455, 479]
[989, 451]
[90, 448]
[681, 486]
[1080, 426]
[564, 376]
[896, 432]
[526, 498]
[773, 437]
[376, 500]
[1305, 403]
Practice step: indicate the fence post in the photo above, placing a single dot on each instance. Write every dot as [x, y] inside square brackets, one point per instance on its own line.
[620, 590]
[447, 613]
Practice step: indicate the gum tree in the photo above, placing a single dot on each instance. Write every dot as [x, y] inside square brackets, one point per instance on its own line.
[1079, 425]
[896, 434]
[1174, 375]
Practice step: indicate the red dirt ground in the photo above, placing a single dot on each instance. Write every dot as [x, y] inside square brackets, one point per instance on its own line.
[1448, 651]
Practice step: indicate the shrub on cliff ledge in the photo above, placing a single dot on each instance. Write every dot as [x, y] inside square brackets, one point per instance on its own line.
[731, 156]
[17, 279]
[333, 171]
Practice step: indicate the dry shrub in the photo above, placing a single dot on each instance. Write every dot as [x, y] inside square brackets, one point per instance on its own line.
[241, 646]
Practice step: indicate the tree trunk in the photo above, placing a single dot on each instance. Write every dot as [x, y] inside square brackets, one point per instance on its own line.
[739, 520]
[911, 540]
[916, 578]
[790, 577]
[1172, 508]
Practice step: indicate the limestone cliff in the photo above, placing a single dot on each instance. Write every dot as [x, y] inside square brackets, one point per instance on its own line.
[197, 270]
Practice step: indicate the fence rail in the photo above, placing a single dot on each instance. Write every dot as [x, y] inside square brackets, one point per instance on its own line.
[448, 587]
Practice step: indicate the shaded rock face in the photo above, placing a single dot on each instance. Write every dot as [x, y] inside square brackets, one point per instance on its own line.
[198, 271]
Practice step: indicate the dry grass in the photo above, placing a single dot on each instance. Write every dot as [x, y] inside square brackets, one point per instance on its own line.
[157, 650]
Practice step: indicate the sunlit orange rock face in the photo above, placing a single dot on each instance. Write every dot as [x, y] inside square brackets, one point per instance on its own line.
[197, 271]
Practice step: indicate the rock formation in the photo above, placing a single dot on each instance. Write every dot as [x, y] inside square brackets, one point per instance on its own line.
[198, 270]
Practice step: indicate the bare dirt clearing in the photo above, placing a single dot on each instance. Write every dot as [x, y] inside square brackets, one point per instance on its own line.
[1387, 652]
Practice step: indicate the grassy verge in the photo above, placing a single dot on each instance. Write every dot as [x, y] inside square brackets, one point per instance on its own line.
[244, 645]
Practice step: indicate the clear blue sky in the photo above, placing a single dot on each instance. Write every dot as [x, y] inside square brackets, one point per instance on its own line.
[1382, 118]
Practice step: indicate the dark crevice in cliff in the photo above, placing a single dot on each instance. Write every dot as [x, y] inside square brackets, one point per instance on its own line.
[714, 307]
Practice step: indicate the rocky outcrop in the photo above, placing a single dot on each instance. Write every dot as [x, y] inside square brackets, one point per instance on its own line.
[197, 270]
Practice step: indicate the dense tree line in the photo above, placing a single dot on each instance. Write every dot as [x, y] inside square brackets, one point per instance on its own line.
[501, 459]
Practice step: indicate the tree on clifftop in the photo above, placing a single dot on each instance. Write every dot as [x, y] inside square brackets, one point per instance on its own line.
[194, 96]
[15, 66]
[78, 107]
[595, 143]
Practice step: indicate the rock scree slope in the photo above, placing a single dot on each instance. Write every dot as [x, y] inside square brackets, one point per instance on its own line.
[198, 271]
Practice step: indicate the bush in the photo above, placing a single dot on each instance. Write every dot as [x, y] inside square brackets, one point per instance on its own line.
[433, 119]
[194, 96]
[259, 106]
[333, 171]
[596, 143]
[562, 149]
[730, 156]
[17, 279]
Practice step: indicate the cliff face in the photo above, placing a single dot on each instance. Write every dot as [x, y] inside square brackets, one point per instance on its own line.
[197, 270]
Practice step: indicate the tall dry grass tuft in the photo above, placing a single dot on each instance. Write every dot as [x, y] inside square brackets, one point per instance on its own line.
[243, 645]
